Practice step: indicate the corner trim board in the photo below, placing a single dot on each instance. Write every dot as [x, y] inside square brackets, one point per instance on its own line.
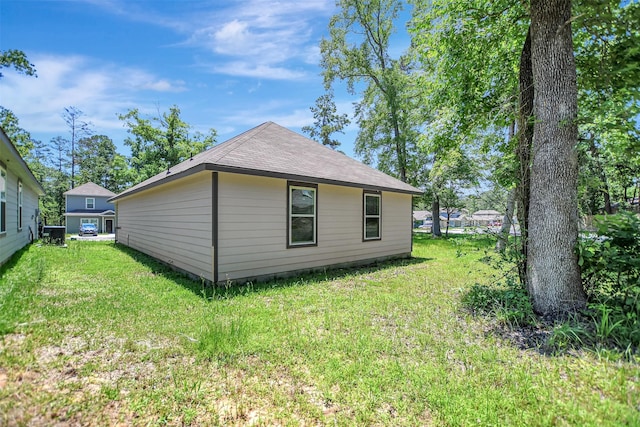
[214, 225]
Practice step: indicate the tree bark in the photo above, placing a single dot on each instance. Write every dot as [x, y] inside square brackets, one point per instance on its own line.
[435, 216]
[503, 236]
[523, 151]
[553, 274]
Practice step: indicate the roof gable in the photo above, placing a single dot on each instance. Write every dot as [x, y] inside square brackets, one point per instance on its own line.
[90, 189]
[272, 150]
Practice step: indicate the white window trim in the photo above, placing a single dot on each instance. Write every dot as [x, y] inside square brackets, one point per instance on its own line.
[291, 215]
[20, 210]
[89, 221]
[3, 212]
[365, 216]
[86, 202]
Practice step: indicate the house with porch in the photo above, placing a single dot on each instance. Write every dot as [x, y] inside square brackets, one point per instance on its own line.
[88, 203]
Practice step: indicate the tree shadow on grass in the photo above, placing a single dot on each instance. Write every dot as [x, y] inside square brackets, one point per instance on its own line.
[13, 260]
[511, 318]
[209, 291]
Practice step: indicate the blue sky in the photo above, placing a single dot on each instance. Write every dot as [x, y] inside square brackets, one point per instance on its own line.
[228, 65]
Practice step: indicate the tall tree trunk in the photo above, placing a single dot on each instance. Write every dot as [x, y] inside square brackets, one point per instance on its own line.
[553, 274]
[435, 216]
[400, 150]
[603, 176]
[503, 236]
[523, 151]
[446, 230]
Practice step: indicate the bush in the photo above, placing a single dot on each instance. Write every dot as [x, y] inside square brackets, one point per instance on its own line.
[508, 302]
[611, 278]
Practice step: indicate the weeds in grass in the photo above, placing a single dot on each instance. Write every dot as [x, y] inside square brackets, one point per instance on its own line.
[567, 335]
[605, 327]
[507, 302]
[222, 339]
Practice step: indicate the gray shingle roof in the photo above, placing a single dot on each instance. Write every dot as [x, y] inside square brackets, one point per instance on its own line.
[272, 150]
[90, 189]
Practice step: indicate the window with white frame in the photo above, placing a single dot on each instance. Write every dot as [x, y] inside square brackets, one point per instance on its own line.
[3, 199]
[372, 221]
[302, 214]
[19, 205]
[90, 203]
[93, 221]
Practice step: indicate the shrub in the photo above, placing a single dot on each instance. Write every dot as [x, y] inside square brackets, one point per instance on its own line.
[611, 277]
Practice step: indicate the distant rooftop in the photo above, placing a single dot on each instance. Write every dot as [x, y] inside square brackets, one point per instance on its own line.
[90, 189]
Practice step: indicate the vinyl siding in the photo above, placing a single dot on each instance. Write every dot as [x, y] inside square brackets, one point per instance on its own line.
[253, 224]
[14, 240]
[171, 222]
[79, 202]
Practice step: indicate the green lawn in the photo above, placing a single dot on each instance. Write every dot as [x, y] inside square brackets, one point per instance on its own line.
[97, 334]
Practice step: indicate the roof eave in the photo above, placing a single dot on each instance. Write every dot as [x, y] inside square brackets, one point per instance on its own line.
[14, 151]
[254, 172]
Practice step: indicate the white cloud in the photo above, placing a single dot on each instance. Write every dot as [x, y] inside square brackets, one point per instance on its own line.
[264, 35]
[266, 71]
[270, 111]
[100, 90]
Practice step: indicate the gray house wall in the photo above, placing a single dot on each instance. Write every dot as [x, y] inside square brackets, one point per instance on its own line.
[78, 202]
[13, 239]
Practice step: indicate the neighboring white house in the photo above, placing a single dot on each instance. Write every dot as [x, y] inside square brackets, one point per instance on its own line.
[425, 218]
[485, 217]
[19, 192]
[267, 203]
[88, 203]
[421, 218]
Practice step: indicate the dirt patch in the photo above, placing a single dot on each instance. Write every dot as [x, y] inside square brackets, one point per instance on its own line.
[525, 338]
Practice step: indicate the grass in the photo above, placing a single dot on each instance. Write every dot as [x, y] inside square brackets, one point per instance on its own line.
[97, 334]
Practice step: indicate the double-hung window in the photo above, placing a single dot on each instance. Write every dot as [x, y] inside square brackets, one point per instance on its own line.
[90, 203]
[302, 214]
[3, 199]
[372, 221]
[19, 205]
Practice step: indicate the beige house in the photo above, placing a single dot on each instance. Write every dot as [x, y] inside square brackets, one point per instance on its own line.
[19, 192]
[266, 203]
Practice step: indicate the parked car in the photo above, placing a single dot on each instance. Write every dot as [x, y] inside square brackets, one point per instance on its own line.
[89, 228]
